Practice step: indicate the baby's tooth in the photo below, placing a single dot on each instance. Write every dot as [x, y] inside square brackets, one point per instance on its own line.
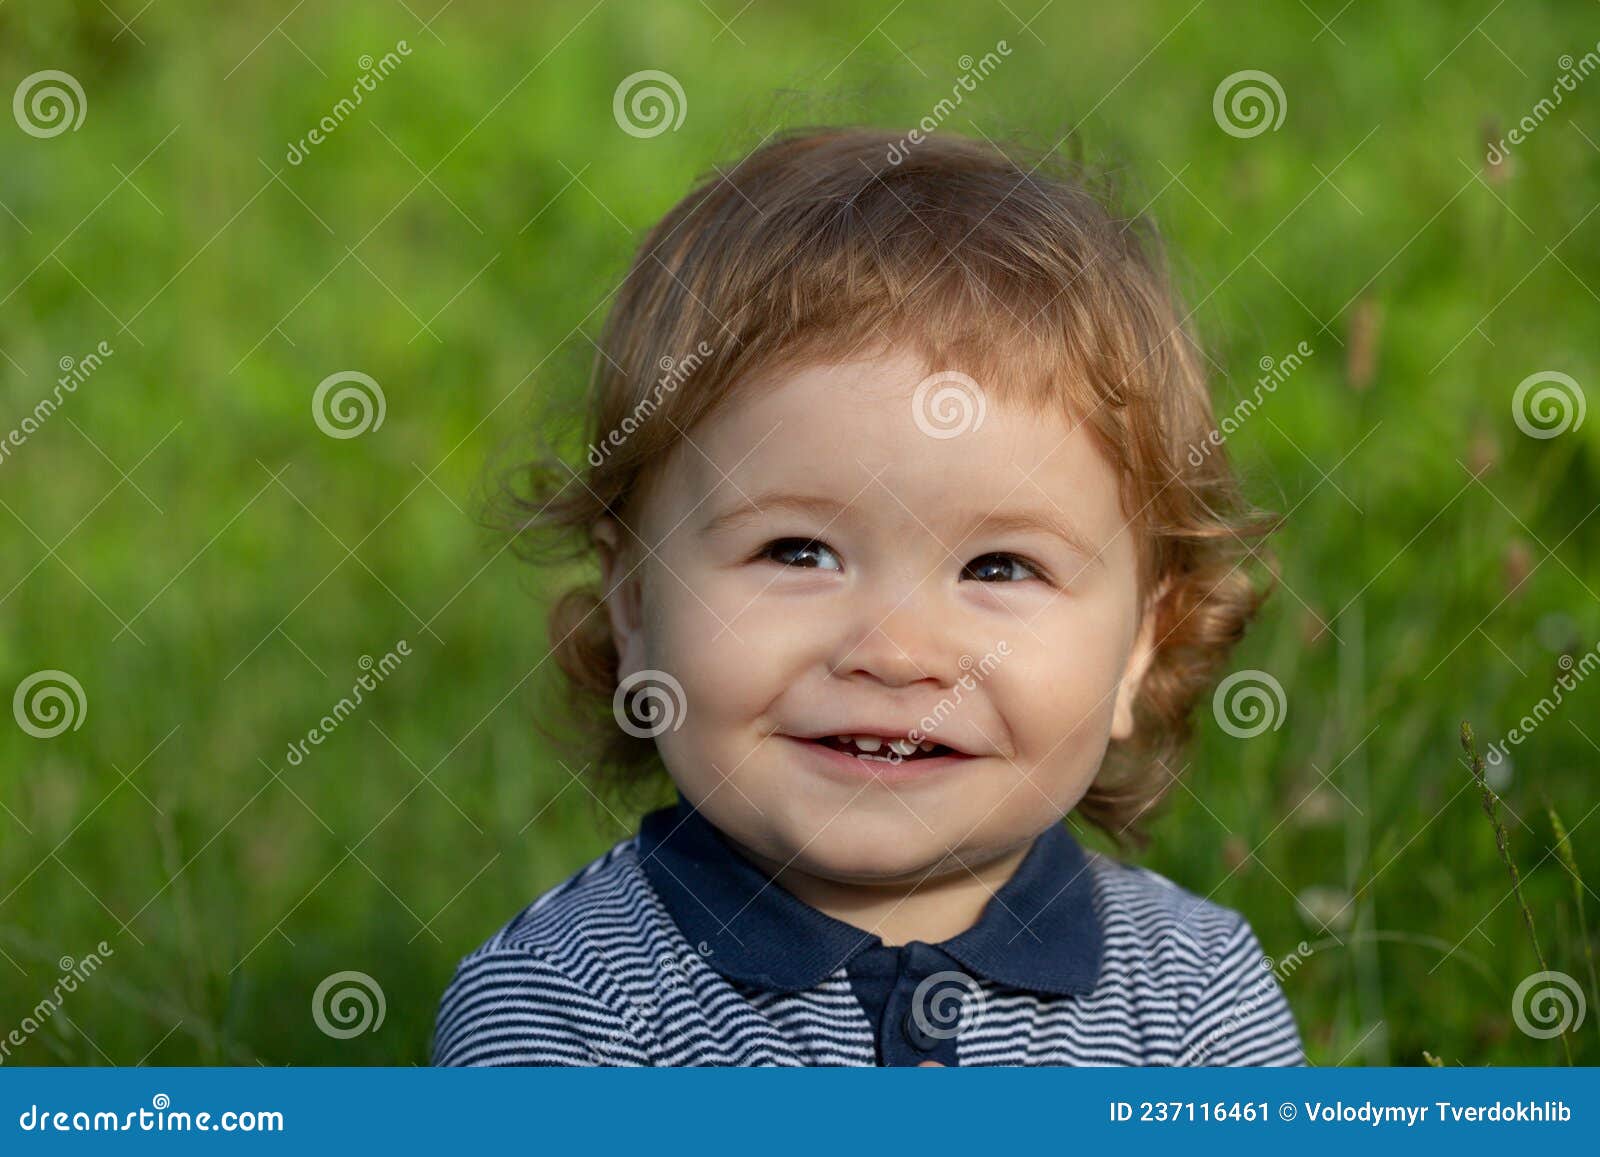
[926, 745]
[868, 742]
[902, 746]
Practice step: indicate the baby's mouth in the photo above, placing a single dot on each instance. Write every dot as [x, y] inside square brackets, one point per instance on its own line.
[876, 749]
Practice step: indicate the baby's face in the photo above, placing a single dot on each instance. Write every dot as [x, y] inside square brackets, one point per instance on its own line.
[824, 567]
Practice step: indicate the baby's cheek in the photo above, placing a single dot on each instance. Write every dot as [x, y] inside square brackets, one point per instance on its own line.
[1058, 699]
[733, 660]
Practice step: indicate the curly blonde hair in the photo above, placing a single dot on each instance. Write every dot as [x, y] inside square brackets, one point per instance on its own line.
[1012, 267]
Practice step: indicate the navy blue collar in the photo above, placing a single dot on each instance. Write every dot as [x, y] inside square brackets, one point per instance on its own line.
[1039, 932]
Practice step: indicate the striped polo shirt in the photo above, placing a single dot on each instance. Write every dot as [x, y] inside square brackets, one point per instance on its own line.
[674, 949]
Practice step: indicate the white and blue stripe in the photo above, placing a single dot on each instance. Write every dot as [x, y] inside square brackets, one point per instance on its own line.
[624, 965]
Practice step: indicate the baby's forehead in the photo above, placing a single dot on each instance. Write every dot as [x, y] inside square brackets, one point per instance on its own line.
[893, 409]
[888, 438]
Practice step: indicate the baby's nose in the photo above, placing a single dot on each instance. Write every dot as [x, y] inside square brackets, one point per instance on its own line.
[892, 655]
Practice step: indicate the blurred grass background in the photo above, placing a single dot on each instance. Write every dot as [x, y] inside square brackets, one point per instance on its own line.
[182, 539]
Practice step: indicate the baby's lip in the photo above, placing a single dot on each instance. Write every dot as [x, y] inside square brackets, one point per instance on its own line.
[910, 734]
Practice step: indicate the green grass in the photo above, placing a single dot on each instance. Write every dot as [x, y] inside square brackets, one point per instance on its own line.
[486, 191]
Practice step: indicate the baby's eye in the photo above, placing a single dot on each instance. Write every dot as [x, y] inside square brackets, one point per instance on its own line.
[801, 552]
[1000, 567]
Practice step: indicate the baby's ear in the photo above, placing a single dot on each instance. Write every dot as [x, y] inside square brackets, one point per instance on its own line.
[620, 590]
[1139, 659]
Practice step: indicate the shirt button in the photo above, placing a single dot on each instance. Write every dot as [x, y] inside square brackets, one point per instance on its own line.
[916, 1035]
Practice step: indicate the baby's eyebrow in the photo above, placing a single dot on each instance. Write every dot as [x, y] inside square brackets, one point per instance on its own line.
[828, 509]
[751, 509]
[1038, 521]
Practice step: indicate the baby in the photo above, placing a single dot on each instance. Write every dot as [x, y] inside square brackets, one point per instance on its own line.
[904, 558]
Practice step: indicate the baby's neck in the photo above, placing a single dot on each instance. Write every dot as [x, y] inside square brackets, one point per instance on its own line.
[939, 907]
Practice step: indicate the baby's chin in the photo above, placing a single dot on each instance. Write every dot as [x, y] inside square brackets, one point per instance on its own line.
[874, 868]
[878, 851]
